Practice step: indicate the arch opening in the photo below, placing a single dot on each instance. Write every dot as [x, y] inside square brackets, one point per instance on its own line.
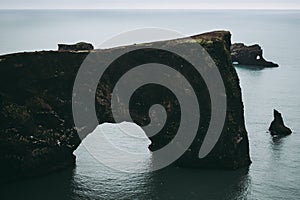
[120, 146]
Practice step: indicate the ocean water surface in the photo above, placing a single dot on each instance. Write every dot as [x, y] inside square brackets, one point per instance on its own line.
[275, 171]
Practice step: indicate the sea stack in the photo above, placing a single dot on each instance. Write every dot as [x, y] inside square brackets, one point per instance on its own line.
[249, 55]
[277, 126]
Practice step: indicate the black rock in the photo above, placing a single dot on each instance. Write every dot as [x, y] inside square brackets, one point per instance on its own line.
[277, 126]
[37, 130]
[80, 46]
[249, 55]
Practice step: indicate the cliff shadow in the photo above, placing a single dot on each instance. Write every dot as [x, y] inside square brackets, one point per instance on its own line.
[181, 183]
[56, 185]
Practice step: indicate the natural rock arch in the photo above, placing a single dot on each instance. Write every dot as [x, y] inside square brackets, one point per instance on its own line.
[37, 132]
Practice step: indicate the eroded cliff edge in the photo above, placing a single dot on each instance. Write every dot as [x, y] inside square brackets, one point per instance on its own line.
[37, 132]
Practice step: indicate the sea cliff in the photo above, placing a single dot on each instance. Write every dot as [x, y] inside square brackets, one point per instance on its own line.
[37, 131]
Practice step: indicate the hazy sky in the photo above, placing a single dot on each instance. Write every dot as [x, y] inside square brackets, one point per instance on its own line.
[148, 4]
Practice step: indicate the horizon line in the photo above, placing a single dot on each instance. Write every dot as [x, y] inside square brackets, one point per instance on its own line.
[283, 9]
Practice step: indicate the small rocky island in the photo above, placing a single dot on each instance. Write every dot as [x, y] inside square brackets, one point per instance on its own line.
[249, 55]
[80, 46]
[277, 127]
[37, 131]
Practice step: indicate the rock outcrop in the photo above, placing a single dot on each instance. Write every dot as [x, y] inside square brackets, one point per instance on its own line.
[249, 55]
[37, 131]
[80, 46]
[277, 126]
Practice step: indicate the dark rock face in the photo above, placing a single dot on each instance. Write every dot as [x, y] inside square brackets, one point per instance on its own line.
[249, 55]
[37, 131]
[277, 126]
[75, 47]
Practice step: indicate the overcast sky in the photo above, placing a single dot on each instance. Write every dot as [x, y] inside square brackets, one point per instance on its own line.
[148, 4]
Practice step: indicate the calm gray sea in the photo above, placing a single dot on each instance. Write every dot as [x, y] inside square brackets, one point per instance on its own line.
[275, 172]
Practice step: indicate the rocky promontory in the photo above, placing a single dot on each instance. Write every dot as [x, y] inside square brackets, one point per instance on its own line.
[37, 131]
[242, 54]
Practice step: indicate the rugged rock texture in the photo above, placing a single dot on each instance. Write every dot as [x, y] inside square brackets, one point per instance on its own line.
[249, 55]
[80, 46]
[277, 126]
[37, 132]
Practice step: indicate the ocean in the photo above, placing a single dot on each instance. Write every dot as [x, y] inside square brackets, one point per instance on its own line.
[275, 171]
